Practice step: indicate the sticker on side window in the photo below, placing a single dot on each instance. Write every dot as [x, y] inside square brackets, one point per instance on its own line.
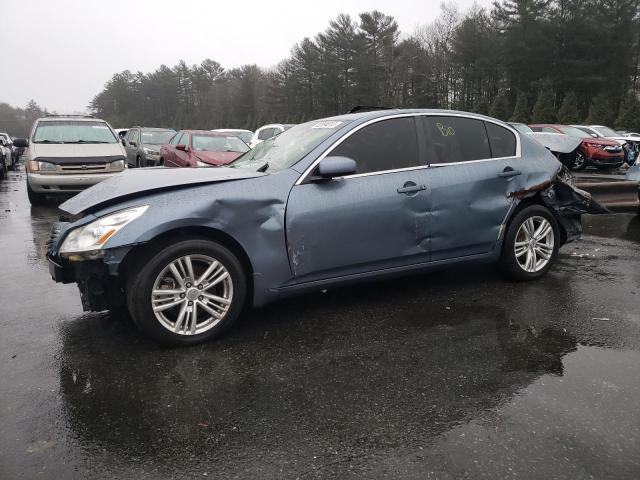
[445, 130]
[332, 124]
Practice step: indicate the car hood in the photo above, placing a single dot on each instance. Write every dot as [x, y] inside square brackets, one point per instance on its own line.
[140, 181]
[610, 142]
[216, 158]
[75, 150]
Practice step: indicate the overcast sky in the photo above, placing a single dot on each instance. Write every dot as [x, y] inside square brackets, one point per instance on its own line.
[61, 52]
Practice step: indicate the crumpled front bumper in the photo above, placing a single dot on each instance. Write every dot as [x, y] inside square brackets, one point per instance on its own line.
[98, 289]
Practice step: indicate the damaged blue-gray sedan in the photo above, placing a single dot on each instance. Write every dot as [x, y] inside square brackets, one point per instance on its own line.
[329, 202]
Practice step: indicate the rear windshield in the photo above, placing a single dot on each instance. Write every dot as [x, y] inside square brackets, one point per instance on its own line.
[73, 131]
[157, 137]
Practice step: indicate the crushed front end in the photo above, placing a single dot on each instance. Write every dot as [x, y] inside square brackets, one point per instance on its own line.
[99, 289]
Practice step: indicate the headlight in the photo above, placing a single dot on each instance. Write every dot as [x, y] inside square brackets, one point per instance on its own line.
[202, 164]
[94, 235]
[596, 145]
[148, 151]
[117, 165]
[36, 166]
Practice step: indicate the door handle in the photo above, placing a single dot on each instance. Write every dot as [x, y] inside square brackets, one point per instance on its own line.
[509, 172]
[411, 187]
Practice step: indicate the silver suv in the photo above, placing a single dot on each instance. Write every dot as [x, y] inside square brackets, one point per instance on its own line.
[67, 154]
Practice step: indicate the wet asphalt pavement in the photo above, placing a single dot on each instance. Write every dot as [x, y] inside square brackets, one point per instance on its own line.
[454, 374]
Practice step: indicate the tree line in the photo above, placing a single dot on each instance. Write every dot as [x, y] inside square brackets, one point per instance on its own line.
[520, 60]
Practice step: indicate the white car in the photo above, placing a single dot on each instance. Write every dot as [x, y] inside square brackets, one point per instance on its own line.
[244, 135]
[267, 131]
[67, 154]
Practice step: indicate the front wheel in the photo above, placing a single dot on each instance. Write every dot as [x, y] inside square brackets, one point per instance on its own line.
[187, 292]
[530, 244]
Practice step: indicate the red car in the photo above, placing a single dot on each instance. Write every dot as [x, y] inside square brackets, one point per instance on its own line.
[201, 148]
[601, 153]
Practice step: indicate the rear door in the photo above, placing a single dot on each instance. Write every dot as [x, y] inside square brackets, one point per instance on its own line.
[474, 166]
[374, 220]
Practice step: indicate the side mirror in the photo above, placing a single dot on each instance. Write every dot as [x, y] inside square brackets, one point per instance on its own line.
[332, 167]
[133, 144]
[21, 142]
[182, 148]
[594, 135]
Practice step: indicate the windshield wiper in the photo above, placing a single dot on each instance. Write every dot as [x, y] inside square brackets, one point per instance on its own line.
[89, 141]
[48, 141]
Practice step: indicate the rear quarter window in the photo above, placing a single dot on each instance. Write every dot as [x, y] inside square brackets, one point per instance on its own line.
[501, 141]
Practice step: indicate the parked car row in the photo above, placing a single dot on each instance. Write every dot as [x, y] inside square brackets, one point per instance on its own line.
[600, 146]
[9, 154]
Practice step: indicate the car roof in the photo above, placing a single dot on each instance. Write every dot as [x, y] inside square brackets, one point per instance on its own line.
[205, 132]
[230, 130]
[79, 118]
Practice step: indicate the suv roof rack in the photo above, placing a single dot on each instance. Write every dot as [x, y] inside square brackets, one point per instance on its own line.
[367, 108]
[79, 115]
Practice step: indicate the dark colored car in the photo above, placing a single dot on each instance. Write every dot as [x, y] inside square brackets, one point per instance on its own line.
[143, 145]
[329, 202]
[201, 148]
[601, 153]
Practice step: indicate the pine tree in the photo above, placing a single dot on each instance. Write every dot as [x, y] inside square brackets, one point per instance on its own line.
[500, 107]
[521, 112]
[568, 112]
[544, 110]
[601, 111]
[629, 116]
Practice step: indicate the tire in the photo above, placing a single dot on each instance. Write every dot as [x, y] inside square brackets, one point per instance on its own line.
[3, 171]
[518, 267]
[579, 162]
[138, 162]
[154, 274]
[36, 199]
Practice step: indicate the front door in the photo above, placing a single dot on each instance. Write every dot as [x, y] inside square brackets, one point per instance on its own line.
[374, 220]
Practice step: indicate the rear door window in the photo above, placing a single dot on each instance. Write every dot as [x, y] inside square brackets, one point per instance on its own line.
[455, 139]
[385, 145]
[501, 141]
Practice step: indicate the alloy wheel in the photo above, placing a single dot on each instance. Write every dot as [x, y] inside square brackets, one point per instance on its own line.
[192, 294]
[534, 244]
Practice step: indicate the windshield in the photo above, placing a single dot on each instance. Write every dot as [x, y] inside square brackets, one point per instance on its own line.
[156, 137]
[244, 135]
[606, 131]
[218, 143]
[574, 132]
[522, 128]
[284, 150]
[73, 131]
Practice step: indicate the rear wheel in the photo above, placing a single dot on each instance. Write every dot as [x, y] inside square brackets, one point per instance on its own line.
[138, 162]
[531, 243]
[187, 293]
[35, 198]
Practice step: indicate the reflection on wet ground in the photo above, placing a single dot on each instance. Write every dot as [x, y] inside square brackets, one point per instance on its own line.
[456, 374]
